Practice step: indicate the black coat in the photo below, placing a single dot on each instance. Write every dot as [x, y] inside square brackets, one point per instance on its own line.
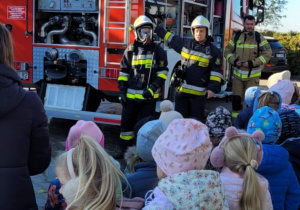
[24, 142]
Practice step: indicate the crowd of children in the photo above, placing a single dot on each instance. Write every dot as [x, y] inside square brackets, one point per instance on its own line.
[182, 163]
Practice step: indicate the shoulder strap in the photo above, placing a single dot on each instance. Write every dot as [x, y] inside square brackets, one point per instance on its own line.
[258, 40]
[236, 38]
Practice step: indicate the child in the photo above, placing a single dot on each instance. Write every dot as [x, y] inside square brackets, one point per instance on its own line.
[290, 124]
[143, 174]
[243, 187]
[275, 167]
[181, 153]
[168, 114]
[286, 90]
[88, 176]
[217, 121]
[55, 201]
[271, 99]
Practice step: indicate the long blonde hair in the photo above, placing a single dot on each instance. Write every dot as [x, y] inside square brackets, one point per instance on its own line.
[6, 47]
[98, 176]
[240, 157]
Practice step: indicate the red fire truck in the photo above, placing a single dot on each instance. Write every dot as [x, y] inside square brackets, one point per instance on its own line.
[70, 50]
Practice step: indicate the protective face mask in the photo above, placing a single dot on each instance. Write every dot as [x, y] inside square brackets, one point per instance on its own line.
[145, 35]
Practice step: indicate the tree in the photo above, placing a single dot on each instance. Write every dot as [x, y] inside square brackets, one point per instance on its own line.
[274, 12]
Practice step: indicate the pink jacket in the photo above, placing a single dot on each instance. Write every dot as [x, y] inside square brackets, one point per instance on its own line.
[233, 183]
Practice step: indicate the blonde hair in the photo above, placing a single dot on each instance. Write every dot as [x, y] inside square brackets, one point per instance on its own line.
[6, 47]
[98, 176]
[240, 157]
[269, 99]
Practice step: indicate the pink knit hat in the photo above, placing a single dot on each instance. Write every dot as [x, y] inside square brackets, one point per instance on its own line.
[87, 128]
[184, 146]
[286, 90]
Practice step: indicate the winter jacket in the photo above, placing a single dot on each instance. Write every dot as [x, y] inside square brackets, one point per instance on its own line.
[137, 65]
[292, 145]
[246, 51]
[24, 141]
[193, 190]
[141, 181]
[233, 185]
[277, 169]
[201, 64]
[241, 122]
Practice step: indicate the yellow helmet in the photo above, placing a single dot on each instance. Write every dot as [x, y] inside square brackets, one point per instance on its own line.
[200, 21]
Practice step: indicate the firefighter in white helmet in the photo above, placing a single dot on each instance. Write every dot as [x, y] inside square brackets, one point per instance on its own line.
[200, 73]
[143, 72]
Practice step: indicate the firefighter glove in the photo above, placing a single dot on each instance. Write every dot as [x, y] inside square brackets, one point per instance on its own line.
[123, 99]
[148, 93]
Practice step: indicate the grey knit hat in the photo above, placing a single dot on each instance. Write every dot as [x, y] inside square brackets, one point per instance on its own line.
[147, 136]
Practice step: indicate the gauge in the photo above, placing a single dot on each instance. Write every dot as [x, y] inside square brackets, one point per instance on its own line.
[75, 55]
[51, 54]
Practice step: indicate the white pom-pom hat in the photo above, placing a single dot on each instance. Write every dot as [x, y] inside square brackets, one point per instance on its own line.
[167, 112]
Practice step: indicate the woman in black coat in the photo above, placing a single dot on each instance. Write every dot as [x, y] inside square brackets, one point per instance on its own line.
[24, 134]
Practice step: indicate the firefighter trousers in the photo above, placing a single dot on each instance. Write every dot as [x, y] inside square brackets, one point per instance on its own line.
[190, 106]
[130, 115]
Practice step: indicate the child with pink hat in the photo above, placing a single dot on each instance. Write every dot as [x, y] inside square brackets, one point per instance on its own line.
[181, 153]
[55, 200]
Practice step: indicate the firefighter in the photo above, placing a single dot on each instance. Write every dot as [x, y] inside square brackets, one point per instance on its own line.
[247, 52]
[143, 72]
[200, 73]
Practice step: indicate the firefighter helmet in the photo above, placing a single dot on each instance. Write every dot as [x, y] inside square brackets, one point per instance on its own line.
[200, 21]
[143, 29]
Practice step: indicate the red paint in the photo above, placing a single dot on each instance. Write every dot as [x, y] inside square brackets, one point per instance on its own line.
[98, 119]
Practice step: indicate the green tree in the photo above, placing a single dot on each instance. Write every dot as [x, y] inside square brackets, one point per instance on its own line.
[274, 10]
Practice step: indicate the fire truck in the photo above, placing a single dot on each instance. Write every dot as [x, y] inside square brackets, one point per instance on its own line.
[69, 51]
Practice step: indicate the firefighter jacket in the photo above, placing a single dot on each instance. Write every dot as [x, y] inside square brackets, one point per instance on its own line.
[200, 63]
[140, 62]
[246, 50]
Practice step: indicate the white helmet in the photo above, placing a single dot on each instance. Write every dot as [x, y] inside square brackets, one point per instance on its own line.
[200, 21]
[143, 22]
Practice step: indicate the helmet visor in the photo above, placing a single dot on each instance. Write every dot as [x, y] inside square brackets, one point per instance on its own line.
[144, 33]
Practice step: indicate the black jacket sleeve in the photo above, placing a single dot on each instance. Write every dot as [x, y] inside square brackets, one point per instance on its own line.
[161, 68]
[216, 75]
[125, 70]
[174, 41]
[40, 149]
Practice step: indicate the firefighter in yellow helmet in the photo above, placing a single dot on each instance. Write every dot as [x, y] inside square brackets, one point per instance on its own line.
[200, 72]
[143, 72]
[247, 52]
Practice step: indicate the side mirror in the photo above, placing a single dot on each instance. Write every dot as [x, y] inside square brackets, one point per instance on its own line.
[260, 15]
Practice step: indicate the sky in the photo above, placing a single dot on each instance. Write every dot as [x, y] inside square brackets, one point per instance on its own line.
[292, 20]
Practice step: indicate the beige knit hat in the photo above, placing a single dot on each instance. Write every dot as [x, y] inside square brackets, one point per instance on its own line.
[167, 112]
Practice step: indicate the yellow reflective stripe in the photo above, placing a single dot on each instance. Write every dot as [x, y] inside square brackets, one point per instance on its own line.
[194, 92]
[139, 96]
[218, 79]
[122, 78]
[244, 76]
[247, 46]
[262, 59]
[141, 62]
[161, 75]
[228, 56]
[263, 43]
[204, 61]
[150, 90]
[234, 114]
[125, 137]
[231, 43]
[167, 35]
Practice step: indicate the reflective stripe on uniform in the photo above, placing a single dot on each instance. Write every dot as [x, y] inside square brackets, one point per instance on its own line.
[191, 89]
[244, 74]
[231, 43]
[204, 62]
[162, 74]
[138, 94]
[127, 135]
[263, 43]
[142, 60]
[228, 56]
[197, 53]
[123, 77]
[246, 46]
[214, 78]
[262, 59]
[168, 37]
[234, 114]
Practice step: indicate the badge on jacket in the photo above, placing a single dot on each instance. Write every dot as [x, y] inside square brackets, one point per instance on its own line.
[161, 63]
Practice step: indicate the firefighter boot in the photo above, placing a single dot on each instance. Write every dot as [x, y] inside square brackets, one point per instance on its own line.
[121, 148]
